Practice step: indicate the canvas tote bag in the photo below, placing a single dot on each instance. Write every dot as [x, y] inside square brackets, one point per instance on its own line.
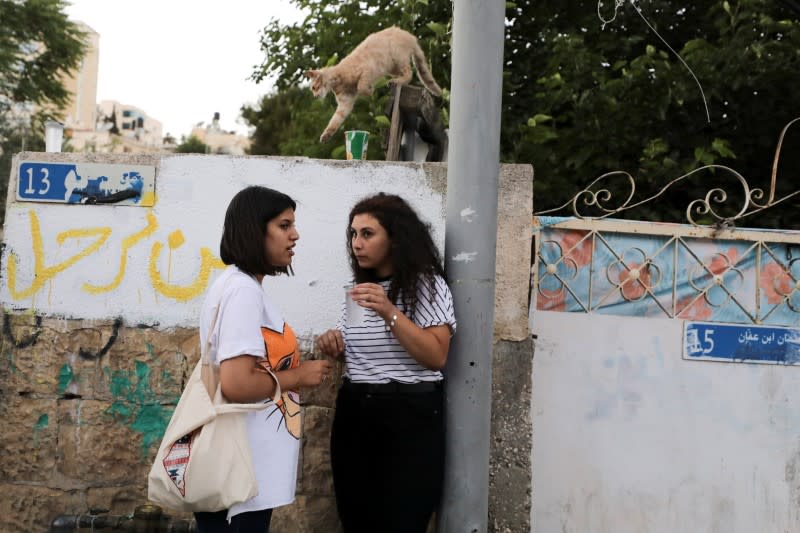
[204, 462]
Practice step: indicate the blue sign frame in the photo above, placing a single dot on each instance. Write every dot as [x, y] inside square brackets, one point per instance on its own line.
[739, 343]
[86, 183]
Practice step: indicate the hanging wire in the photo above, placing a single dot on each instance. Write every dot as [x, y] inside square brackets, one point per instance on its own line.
[617, 6]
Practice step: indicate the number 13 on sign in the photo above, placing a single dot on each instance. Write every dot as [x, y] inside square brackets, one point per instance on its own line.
[45, 180]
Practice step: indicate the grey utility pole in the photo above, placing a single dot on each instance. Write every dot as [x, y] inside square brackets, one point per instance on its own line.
[473, 166]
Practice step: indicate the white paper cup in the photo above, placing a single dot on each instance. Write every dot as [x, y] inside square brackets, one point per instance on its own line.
[354, 314]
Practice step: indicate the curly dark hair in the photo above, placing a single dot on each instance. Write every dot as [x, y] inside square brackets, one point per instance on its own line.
[413, 254]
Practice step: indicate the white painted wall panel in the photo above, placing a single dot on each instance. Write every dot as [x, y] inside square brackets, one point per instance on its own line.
[628, 437]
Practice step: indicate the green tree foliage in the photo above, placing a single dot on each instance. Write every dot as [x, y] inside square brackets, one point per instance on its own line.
[191, 145]
[39, 46]
[619, 99]
[289, 122]
[581, 100]
[329, 32]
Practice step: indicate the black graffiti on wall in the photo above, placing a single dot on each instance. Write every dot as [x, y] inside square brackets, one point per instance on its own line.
[86, 354]
[21, 343]
[31, 339]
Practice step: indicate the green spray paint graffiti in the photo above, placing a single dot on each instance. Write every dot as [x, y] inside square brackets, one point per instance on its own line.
[65, 377]
[41, 423]
[136, 404]
[11, 365]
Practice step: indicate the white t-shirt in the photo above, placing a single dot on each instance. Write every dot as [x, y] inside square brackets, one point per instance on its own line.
[372, 352]
[248, 323]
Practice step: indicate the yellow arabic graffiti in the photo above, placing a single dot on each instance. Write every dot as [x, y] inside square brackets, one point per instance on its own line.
[177, 292]
[127, 243]
[42, 273]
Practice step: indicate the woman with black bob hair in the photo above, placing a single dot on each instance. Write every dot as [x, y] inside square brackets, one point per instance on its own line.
[255, 349]
[387, 443]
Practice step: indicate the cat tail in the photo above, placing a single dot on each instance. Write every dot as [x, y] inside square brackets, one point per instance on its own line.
[424, 72]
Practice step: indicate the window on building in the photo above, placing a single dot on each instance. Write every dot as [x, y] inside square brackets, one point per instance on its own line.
[127, 113]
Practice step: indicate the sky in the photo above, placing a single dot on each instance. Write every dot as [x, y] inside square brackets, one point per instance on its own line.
[181, 60]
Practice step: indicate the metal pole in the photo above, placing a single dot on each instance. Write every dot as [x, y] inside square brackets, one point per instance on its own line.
[470, 246]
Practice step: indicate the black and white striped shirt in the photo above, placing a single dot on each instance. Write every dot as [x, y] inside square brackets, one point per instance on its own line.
[374, 355]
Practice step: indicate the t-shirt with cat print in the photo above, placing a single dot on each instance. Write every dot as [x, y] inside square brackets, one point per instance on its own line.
[249, 323]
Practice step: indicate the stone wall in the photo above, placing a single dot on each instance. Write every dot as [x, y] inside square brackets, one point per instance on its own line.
[85, 401]
[83, 408]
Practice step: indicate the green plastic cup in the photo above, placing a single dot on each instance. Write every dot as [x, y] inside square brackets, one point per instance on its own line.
[356, 143]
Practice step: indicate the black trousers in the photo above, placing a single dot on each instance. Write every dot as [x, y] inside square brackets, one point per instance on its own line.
[251, 522]
[387, 451]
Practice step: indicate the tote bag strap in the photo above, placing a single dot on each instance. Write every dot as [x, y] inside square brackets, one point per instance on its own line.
[209, 372]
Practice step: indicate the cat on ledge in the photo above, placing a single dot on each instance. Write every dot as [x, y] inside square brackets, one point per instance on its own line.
[388, 52]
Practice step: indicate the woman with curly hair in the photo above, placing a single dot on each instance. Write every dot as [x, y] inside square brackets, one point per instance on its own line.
[387, 443]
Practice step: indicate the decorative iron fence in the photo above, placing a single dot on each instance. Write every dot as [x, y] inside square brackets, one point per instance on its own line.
[716, 273]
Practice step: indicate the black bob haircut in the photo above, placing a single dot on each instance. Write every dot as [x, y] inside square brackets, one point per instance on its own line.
[245, 229]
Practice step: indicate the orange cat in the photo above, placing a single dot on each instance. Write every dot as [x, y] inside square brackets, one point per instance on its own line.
[387, 52]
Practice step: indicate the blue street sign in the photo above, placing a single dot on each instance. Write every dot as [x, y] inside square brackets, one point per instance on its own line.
[749, 344]
[86, 183]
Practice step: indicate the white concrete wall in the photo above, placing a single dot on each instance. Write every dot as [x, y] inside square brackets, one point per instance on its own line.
[192, 194]
[628, 437]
